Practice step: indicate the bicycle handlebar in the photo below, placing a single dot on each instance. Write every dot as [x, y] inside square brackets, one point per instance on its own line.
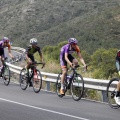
[35, 63]
[75, 67]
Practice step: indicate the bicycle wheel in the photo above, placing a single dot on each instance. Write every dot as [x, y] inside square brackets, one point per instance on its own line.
[58, 85]
[111, 92]
[6, 75]
[23, 79]
[77, 87]
[37, 81]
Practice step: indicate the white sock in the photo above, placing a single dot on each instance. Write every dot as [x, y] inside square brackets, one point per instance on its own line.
[62, 86]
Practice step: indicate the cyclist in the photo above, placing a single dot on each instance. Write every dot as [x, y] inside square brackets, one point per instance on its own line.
[66, 57]
[5, 42]
[31, 49]
[117, 97]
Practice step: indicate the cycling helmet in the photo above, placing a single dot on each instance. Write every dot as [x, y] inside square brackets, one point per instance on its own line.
[33, 41]
[72, 41]
[5, 39]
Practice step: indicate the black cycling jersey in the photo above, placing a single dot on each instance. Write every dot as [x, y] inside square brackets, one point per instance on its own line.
[118, 61]
[118, 56]
[30, 50]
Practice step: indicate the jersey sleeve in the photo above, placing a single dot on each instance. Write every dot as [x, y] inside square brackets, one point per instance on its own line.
[67, 49]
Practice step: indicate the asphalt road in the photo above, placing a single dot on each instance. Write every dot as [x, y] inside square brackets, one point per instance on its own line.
[17, 104]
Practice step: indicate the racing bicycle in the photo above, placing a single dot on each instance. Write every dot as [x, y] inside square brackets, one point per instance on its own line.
[33, 77]
[5, 72]
[74, 82]
[111, 92]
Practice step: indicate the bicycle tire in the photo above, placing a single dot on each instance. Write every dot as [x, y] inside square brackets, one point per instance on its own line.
[23, 79]
[111, 92]
[58, 85]
[77, 87]
[37, 81]
[6, 75]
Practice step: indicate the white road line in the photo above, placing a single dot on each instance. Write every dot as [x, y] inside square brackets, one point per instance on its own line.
[51, 111]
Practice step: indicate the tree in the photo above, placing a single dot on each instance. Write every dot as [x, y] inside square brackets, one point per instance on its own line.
[103, 63]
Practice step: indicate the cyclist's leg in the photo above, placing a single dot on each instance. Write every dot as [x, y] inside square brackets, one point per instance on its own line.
[31, 57]
[28, 61]
[117, 97]
[63, 64]
[2, 60]
[73, 60]
[118, 89]
[118, 85]
[64, 72]
[2, 56]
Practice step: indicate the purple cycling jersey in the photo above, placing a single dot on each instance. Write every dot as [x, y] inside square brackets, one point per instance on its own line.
[2, 49]
[67, 49]
[1, 45]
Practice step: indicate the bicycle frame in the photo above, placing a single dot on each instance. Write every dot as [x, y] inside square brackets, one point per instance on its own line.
[33, 69]
[34, 78]
[74, 72]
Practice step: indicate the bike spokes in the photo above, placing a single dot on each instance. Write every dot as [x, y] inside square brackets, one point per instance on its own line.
[37, 81]
[6, 75]
[111, 92]
[23, 79]
[77, 87]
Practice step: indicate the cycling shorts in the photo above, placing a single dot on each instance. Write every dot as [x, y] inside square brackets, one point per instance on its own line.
[31, 57]
[63, 62]
[2, 53]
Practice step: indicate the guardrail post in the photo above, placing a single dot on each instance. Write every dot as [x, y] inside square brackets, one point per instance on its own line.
[104, 96]
[48, 86]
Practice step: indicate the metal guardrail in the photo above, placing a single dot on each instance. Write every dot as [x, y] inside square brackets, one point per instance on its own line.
[96, 84]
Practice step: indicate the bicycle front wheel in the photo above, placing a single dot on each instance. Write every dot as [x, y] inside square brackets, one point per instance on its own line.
[77, 87]
[37, 81]
[6, 75]
[111, 92]
[23, 79]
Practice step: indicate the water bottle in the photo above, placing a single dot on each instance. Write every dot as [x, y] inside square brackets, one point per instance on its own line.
[69, 77]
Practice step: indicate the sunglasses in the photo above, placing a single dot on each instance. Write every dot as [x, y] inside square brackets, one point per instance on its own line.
[73, 44]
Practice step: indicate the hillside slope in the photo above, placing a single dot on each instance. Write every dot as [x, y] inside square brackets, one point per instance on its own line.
[95, 23]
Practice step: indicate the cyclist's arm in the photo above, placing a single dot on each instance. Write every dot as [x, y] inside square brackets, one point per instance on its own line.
[117, 63]
[66, 58]
[41, 57]
[40, 54]
[81, 59]
[9, 52]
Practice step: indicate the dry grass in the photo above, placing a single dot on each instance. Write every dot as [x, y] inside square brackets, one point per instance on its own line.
[52, 67]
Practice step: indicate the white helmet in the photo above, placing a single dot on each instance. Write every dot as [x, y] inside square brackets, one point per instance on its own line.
[33, 41]
[72, 40]
[6, 39]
